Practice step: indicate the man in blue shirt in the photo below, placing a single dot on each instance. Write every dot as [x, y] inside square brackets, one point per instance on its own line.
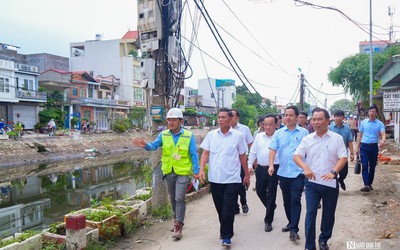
[343, 130]
[370, 130]
[179, 161]
[291, 177]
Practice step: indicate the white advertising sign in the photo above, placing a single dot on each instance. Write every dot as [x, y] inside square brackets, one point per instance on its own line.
[391, 101]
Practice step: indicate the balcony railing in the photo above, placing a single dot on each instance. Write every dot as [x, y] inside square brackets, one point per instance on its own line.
[32, 95]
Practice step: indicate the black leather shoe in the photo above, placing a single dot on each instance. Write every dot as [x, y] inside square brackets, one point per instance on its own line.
[294, 236]
[245, 208]
[286, 229]
[370, 187]
[365, 189]
[342, 185]
[323, 246]
[268, 227]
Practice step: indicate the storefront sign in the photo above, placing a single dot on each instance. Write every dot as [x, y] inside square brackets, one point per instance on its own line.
[391, 101]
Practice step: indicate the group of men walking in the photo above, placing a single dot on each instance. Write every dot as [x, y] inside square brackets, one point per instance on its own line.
[289, 155]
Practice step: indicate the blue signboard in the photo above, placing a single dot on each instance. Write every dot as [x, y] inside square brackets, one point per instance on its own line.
[224, 82]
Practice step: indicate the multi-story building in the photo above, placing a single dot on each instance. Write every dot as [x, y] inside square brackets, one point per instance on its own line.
[116, 57]
[377, 46]
[19, 93]
[217, 93]
[19, 90]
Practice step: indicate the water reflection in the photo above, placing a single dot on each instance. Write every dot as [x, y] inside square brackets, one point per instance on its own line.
[39, 200]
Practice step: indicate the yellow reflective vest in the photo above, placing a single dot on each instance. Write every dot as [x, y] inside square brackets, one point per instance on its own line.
[176, 156]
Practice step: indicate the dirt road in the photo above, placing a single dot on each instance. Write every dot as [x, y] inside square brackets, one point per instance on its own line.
[363, 221]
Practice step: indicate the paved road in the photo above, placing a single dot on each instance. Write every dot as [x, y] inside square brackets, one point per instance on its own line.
[201, 230]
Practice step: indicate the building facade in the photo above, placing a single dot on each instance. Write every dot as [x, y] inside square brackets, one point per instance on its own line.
[116, 57]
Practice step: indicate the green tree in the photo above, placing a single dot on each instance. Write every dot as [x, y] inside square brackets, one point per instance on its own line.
[247, 112]
[353, 72]
[46, 115]
[342, 104]
[255, 100]
[190, 112]
[137, 115]
[306, 107]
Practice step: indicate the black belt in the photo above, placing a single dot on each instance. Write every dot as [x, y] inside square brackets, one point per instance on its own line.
[266, 167]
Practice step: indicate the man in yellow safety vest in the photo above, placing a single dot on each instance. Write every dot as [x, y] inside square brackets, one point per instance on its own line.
[179, 161]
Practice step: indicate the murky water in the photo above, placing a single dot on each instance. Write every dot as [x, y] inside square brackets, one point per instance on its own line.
[37, 200]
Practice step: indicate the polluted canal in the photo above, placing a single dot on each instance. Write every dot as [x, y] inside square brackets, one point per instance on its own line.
[33, 197]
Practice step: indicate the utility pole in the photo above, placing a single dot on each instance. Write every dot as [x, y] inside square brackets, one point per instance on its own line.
[301, 91]
[371, 80]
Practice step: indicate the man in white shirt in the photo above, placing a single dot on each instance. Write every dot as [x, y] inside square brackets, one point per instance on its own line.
[321, 155]
[249, 140]
[225, 151]
[266, 179]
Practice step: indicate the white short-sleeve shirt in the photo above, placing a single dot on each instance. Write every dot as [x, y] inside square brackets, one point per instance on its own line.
[224, 163]
[259, 150]
[321, 154]
[245, 131]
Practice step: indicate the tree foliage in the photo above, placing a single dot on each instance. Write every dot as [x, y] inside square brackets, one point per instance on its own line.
[353, 72]
[306, 107]
[342, 104]
[46, 115]
[249, 106]
[137, 115]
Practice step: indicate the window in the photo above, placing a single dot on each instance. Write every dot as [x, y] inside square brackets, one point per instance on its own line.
[75, 91]
[138, 94]
[83, 92]
[4, 85]
[30, 85]
[99, 95]
[86, 114]
[26, 84]
[136, 73]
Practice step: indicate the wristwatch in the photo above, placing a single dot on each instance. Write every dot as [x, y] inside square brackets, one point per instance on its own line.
[334, 172]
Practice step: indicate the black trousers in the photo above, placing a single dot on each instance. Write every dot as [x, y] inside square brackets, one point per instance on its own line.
[266, 187]
[241, 190]
[343, 173]
[225, 197]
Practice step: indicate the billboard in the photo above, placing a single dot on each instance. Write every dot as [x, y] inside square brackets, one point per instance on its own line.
[391, 101]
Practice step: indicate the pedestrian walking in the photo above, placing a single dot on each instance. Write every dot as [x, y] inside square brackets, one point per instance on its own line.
[321, 155]
[179, 161]
[310, 126]
[302, 119]
[279, 123]
[291, 177]
[225, 151]
[249, 140]
[343, 130]
[266, 178]
[368, 138]
[353, 126]
[260, 126]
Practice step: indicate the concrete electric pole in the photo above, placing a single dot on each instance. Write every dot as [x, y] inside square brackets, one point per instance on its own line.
[302, 91]
[159, 29]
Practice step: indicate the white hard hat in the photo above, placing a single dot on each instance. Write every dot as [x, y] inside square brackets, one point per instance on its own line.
[174, 113]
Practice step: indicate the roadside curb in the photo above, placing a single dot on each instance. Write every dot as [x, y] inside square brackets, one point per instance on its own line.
[198, 194]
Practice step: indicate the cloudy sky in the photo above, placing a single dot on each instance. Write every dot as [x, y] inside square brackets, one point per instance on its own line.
[270, 39]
